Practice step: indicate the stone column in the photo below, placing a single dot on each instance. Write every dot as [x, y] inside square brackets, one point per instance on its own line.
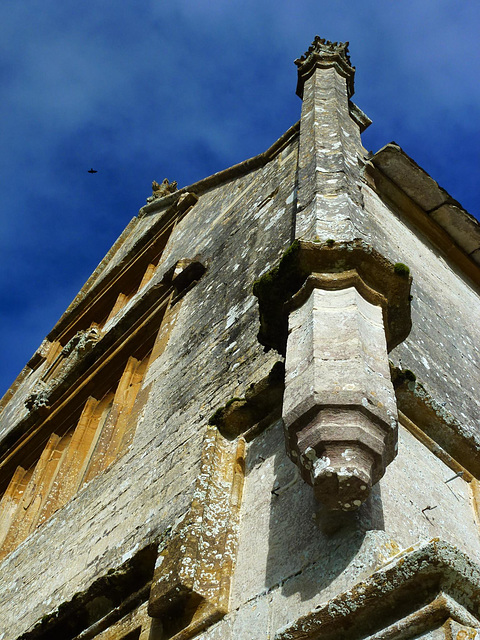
[330, 153]
[347, 303]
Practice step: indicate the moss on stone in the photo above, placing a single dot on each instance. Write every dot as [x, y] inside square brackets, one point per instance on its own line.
[231, 401]
[272, 290]
[401, 269]
[285, 269]
[217, 418]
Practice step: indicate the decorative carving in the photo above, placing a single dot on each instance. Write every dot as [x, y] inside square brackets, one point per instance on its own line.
[77, 348]
[82, 341]
[416, 591]
[161, 190]
[39, 398]
[347, 306]
[323, 53]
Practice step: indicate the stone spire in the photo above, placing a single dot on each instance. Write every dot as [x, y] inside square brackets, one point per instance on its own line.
[329, 203]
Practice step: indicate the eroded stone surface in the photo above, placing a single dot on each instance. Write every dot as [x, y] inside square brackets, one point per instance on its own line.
[339, 407]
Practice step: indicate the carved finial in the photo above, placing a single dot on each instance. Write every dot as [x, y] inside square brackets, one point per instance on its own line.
[323, 53]
[160, 190]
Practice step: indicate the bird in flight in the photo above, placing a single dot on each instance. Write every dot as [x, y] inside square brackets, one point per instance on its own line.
[92, 171]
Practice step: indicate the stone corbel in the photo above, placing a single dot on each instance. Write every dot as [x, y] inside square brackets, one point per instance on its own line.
[346, 307]
[185, 274]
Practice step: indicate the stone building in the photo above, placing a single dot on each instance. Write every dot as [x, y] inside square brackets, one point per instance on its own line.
[259, 417]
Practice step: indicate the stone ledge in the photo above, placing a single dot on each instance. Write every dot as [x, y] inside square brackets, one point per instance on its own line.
[402, 182]
[412, 580]
[435, 421]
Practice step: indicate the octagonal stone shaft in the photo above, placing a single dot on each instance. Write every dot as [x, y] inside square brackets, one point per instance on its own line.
[329, 200]
[339, 406]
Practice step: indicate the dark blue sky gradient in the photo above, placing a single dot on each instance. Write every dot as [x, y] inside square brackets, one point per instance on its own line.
[148, 90]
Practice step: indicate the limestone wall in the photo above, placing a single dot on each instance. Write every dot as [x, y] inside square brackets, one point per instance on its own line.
[441, 347]
[293, 554]
[237, 231]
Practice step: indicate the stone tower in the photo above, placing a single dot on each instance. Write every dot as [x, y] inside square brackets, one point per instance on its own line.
[258, 420]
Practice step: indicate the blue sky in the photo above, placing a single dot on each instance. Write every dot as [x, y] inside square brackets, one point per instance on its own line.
[147, 90]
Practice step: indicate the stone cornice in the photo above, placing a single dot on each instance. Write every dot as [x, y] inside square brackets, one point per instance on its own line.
[405, 186]
[436, 573]
[338, 265]
[433, 419]
[324, 54]
[221, 177]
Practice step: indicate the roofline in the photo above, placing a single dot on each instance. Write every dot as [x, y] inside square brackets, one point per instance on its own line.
[236, 171]
[169, 205]
[403, 184]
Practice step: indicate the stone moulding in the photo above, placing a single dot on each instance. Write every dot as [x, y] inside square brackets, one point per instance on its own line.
[333, 266]
[261, 406]
[355, 450]
[107, 599]
[416, 591]
[433, 419]
[85, 366]
[323, 53]
[405, 187]
[191, 584]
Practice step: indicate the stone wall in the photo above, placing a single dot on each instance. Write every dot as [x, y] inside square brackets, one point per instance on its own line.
[440, 349]
[237, 231]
